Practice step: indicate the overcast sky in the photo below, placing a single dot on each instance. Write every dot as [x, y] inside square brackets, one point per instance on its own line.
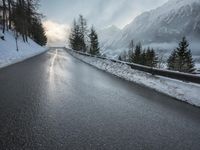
[101, 13]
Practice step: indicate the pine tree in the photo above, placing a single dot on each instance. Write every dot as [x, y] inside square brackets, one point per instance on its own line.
[181, 58]
[190, 63]
[73, 38]
[79, 35]
[21, 16]
[73, 35]
[120, 58]
[153, 59]
[10, 2]
[143, 58]
[4, 15]
[39, 33]
[94, 44]
[83, 32]
[136, 57]
[148, 57]
[171, 62]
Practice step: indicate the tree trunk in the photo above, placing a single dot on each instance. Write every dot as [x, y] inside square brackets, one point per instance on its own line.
[9, 13]
[4, 15]
[16, 40]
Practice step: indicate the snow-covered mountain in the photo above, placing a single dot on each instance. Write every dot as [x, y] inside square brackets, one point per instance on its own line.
[168, 23]
[106, 34]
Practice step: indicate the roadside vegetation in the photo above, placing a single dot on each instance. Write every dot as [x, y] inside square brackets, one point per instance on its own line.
[180, 59]
[138, 55]
[82, 39]
[22, 18]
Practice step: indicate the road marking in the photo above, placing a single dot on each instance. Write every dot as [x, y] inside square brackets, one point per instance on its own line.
[53, 61]
[64, 57]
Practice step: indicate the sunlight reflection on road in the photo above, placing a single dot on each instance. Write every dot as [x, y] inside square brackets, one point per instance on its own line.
[52, 62]
[52, 71]
[58, 74]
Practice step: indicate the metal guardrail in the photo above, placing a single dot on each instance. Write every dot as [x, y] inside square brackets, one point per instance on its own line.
[154, 71]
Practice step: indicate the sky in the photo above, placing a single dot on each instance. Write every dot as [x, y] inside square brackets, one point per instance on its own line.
[59, 14]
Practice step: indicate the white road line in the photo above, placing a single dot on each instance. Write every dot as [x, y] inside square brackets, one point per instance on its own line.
[53, 61]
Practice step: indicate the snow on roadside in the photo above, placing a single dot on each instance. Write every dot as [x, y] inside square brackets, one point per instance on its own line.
[187, 92]
[9, 54]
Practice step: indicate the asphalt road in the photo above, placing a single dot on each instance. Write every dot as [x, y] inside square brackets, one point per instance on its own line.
[54, 101]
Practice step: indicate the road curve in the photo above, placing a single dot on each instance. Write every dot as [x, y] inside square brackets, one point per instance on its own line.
[54, 101]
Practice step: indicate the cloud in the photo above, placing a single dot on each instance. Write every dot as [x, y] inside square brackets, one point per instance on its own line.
[101, 13]
[57, 33]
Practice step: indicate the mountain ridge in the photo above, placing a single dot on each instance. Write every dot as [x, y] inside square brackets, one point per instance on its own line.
[167, 23]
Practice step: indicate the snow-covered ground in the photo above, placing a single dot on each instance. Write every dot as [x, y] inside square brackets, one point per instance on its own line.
[8, 53]
[187, 92]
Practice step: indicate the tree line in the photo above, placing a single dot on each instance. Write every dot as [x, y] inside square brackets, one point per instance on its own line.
[82, 39]
[22, 17]
[138, 55]
[180, 59]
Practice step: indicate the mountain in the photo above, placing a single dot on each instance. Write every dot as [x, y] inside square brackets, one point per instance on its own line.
[107, 34]
[168, 23]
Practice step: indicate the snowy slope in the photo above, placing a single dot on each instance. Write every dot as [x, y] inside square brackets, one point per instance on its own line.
[168, 23]
[8, 53]
[106, 34]
[187, 92]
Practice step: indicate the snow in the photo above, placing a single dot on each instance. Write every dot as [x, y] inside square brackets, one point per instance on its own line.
[106, 34]
[198, 68]
[165, 24]
[9, 54]
[187, 92]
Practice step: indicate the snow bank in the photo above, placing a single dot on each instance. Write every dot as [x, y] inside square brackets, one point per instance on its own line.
[9, 54]
[187, 92]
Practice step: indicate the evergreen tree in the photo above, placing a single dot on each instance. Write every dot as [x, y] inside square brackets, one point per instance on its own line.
[181, 58]
[153, 59]
[148, 57]
[190, 65]
[136, 57]
[120, 58]
[10, 3]
[94, 44]
[72, 36]
[143, 58]
[4, 15]
[22, 17]
[83, 32]
[38, 33]
[171, 62]
[78, 35]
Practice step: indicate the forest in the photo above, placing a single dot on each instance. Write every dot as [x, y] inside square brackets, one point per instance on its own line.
[22, 17]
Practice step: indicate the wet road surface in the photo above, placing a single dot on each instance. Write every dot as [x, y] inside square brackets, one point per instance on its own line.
[54, 101]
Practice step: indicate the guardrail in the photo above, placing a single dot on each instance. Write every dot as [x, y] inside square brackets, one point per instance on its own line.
[154, 71]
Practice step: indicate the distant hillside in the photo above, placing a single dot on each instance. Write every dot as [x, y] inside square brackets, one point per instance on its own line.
[166, 24]
[107, 34]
